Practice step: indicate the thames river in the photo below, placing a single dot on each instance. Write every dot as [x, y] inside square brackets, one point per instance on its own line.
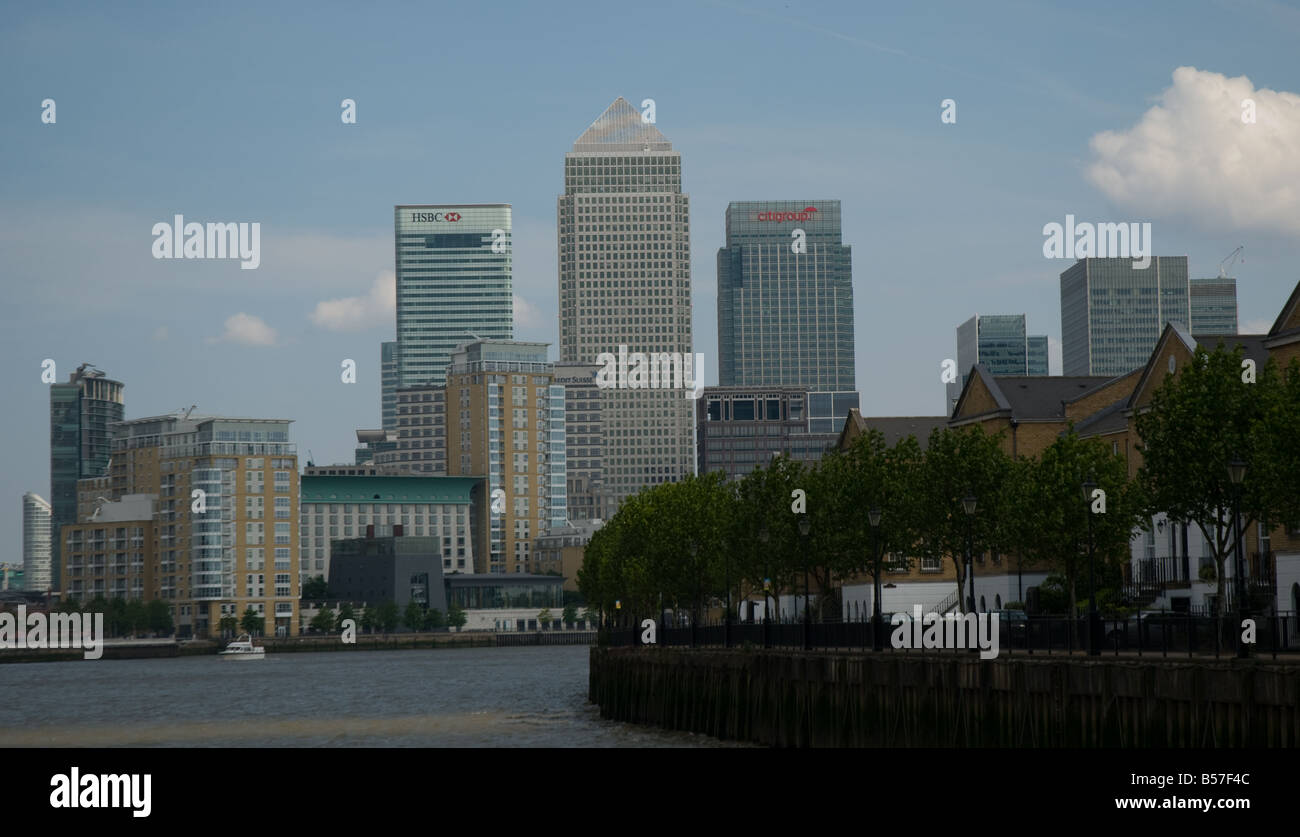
[465, 697]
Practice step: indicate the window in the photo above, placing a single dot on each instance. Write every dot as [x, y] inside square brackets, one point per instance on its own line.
[281, 507]
[282, 533]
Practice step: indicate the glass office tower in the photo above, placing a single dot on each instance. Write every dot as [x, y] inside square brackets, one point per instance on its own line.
[785, 318]
[1000, 342]
[80, 414]
[1112, 313]
[1214, 306]
[625, 280]
[453, 284]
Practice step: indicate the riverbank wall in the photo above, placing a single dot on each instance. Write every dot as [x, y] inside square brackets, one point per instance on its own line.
[287, 645]
[793, 699]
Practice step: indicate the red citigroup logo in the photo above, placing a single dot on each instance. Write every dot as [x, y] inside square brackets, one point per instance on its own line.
[788, 216]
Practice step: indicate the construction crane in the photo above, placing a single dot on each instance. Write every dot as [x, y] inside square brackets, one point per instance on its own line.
[1231, 259]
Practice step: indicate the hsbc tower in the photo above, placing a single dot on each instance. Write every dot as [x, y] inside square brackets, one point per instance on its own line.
[785, 298]
[453, 265]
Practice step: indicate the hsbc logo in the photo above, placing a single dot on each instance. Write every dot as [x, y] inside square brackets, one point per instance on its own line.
[805, 215]
[435, 216]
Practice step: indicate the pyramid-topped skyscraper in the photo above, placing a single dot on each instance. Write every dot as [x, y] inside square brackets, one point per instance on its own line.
[625, 280]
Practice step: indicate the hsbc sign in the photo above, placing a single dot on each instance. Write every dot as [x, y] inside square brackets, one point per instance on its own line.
[805, 215]
[435, 216]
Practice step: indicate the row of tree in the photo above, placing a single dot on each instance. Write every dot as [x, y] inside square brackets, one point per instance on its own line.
[124, 617]
[385, 617]
[682, 545]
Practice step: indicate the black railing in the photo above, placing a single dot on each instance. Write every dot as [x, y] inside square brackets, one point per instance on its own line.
[1162, 633]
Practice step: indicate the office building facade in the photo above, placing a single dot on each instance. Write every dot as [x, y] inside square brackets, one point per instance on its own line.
[502, 424]
[1214, 306]
[625, 280]
[81, 412]
[37, 547]
[388, 383]
[1002, 343]
[227, 515]
[741, 428]
[785, 297]
[399, 569]
[1112, 313]
[420, 435]
[344, 507]
[453, 284]
[588, 498]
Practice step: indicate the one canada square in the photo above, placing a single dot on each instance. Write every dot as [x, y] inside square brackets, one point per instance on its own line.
[625, 280]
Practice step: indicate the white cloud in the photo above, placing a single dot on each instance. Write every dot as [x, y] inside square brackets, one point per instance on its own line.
[1256, 326]
[246, 330]
[160, 333]
[527, 315]
[1192, 156]
[356, 313]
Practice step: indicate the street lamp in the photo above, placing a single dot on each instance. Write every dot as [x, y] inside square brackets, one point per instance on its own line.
[873, 516]
[763, 538]
[1094, 648]
[968, 505]
[1237, 474]
[804, 528]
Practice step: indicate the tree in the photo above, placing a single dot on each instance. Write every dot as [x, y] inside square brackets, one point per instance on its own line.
[345, 613]
[433, 619]
[388, 617]
[98, 605]
[323, 621]
[228, 625]
[456, 617]
[116, 616]
[1202, 417]
[137, 616]
[158, 616]
[369, 618]
[959, 463]
[69, 605]
[413, 618]
[1047, 518]
[316, 588]
[569, 615]
[544, 618]
[252, 623]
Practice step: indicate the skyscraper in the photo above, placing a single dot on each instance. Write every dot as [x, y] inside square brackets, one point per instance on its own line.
[1112, 313]
[1214, 306]
[488, 381]
[625, 280]
[80, 414]
[453, 284]
[785, 297]
[1000, 342]
[36, 542]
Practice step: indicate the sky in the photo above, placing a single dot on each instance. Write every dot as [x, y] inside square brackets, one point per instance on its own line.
[1109, 111]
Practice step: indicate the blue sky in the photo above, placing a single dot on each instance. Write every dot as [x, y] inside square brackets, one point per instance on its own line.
[230, 112]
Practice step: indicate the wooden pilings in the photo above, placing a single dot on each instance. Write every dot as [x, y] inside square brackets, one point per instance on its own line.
[795, 699]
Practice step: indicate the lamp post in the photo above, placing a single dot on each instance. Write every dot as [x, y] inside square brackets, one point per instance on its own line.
[695, 615]
[968, 505]
[804, 528]
[873, 516]
[1094, 648]
[763, 538]
[1237, 474]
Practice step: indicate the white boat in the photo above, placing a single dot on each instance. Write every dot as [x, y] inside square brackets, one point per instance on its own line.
[242, 647]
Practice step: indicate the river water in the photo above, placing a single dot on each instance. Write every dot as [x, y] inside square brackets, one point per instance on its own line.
[464, 697]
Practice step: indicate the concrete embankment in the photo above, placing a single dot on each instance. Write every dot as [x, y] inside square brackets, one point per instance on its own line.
[132, 650]
[784, 698]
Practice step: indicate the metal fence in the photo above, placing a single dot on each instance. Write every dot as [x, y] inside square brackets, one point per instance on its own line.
[1161, 633]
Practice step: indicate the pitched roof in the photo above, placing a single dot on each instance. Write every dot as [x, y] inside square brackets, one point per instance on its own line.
[897, 428]
[1045, 397]
[1109, 419]
[621, 128]
[1288, 310]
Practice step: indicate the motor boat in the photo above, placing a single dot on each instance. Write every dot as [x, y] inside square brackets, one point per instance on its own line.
[242, 647]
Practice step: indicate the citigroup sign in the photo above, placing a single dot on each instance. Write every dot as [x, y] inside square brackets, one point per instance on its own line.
[804, 215]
